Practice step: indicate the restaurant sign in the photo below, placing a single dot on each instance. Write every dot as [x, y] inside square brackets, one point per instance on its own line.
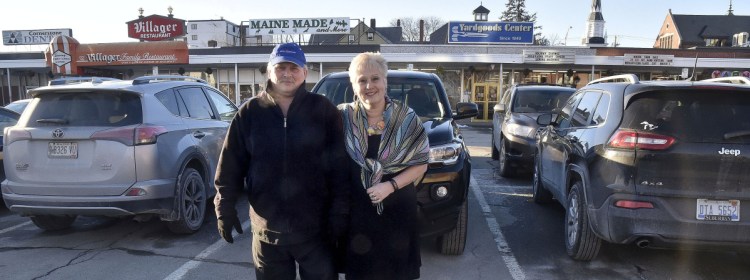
[491, 32]
[134, 53]
[338, 25]
[33, 37]
[156, 28]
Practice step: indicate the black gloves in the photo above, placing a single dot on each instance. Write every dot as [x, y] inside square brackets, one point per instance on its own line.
[226, 223]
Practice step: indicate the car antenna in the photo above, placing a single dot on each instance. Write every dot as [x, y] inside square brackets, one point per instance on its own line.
[692, 75]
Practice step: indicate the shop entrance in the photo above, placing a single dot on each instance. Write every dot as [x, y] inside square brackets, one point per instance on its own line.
[485, 96]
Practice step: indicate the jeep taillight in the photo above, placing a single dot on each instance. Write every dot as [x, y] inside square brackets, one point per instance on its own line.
[630, 139]
[131, 135]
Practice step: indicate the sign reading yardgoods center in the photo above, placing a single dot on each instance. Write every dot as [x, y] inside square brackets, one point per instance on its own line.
[298, 26]
[33, 37]
[491, 32]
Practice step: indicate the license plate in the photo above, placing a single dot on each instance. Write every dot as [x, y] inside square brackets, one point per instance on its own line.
[63, 150]
[717, 210]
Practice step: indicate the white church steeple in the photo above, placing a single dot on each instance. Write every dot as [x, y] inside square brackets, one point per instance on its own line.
[595, 26]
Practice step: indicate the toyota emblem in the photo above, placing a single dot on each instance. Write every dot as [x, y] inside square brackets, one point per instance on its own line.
[57, 133]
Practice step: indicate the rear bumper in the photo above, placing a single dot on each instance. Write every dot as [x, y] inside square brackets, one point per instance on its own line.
[671, 223]
[440, 215]
[159, 199]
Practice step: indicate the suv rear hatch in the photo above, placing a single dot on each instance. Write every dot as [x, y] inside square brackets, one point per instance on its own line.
[75, 144]
[694, 143]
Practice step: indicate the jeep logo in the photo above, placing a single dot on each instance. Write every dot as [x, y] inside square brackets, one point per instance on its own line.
[725, 151]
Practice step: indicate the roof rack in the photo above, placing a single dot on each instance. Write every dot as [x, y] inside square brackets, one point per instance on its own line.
[78, 80]
[628, 78]
[162, 78]
[740, 80]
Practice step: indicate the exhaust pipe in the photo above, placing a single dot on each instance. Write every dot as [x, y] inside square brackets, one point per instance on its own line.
[643, 243]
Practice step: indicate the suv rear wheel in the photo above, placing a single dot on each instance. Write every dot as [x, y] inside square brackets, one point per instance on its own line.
[191, 202]
[540, 194]
[52, 222]
[580, 241]
[453, 242]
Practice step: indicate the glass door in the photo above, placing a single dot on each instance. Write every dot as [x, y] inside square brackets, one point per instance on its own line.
[485, 95]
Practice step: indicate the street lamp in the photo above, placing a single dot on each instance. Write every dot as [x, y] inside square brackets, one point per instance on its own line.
[566, 35]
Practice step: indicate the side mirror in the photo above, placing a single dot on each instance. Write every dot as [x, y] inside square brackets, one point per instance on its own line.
[466, 110]
[500, 107]
[544, 119]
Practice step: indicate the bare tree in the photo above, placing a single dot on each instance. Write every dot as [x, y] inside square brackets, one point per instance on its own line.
[410, 27]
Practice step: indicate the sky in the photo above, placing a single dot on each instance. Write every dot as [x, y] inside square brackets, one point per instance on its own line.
[635, 23]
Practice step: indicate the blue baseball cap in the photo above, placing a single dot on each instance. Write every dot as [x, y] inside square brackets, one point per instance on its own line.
[288, 52]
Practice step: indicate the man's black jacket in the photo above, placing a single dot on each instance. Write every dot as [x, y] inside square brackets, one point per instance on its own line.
[294, 167]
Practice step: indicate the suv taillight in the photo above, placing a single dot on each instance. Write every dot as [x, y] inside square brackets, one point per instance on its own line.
[13, 134]
[131, 135]
[630, 139]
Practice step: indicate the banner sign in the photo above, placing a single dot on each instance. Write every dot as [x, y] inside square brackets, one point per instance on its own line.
[549, 56]
[33, 37]
[491, 32]
[135, 53]
[298, 26]
[156, 28]
[648, 59]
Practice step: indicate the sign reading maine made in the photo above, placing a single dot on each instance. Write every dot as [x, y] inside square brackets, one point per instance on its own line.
[491, 32]
[298, 26]
[33, 37]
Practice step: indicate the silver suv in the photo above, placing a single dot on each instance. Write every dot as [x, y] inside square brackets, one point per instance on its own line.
[117, 148]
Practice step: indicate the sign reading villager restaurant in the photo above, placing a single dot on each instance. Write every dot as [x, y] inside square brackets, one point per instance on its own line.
[33, 37]
[156, 28]
[66, 55]
[491, 32]
[298, 26]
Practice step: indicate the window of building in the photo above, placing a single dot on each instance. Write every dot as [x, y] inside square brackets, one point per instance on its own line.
[194, 37]
[370, 36]
[351, 38]
[193, 26]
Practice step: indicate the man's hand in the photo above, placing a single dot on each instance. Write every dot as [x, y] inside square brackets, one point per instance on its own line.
[226, 224]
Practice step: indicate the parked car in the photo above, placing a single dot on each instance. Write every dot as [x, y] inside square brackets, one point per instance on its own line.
[514, 124]
[18, 106]
[651, 163]
[442, 192]
[7, 118]
[117, 148]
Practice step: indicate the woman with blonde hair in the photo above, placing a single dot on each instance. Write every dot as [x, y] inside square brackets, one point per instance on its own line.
[389, 150]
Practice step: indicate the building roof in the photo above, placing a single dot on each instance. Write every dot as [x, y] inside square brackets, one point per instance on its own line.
[694, 29]
[440, 35]
[596, 10]
[481, 10]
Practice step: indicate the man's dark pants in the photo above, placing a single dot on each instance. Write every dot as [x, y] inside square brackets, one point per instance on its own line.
[274, 262]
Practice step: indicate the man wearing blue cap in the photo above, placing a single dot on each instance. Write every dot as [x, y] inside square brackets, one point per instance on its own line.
[287, 146]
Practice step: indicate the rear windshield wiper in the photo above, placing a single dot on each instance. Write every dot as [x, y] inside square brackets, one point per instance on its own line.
[735, 134]
[55, 121]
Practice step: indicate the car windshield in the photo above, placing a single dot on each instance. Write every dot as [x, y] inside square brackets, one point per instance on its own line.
[17, 106]
[87, 109]
[693, 116]
[419, 94]
[540, 100]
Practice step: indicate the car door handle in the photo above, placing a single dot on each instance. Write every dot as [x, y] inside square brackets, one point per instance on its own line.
[199, 134]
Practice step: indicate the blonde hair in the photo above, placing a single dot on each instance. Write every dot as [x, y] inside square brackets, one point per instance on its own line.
[367, 60]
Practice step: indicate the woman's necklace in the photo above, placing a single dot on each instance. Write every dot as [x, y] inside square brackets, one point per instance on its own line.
[375, 126]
